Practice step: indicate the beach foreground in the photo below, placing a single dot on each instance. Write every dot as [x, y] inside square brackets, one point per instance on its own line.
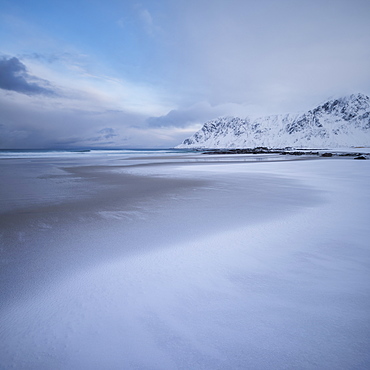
[176, 261]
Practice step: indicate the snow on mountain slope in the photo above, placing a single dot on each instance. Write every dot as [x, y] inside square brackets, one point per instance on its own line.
[343, 122]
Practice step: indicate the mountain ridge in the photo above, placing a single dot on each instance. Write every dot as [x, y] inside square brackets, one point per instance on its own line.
[340, 122]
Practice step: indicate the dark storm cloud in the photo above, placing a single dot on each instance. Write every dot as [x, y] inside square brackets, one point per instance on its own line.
[14, 77]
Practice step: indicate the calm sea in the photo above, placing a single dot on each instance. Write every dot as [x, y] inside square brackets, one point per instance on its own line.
[59, 153]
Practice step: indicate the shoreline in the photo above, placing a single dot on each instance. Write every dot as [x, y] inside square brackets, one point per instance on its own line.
[102, 199]
[326, 153]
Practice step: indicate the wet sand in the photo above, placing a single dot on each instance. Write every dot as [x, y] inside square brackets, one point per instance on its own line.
[60, 218]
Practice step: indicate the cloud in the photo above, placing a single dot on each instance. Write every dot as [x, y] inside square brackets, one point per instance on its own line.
[171, 66]
[182, 117]
[146, 17]
[14, 77]
[49, 58]
[283, 55]
[104, 134]
[107, 133]
[90, 110]
[33, 122]
[77, 78]
[199, 113]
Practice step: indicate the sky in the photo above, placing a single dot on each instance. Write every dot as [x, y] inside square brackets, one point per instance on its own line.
[135, 74]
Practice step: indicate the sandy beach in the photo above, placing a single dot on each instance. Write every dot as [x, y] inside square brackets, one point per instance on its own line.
[184, 261]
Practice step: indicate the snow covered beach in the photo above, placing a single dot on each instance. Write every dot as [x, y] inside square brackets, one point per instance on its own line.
[177, 261]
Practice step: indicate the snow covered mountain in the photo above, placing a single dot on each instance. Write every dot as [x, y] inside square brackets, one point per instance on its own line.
[343, 122]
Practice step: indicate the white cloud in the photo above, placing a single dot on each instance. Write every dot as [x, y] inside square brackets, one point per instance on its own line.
[86, 88]
[146, 17]
[147, 20]
[281, 56]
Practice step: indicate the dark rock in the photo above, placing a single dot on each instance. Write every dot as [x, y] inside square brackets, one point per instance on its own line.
[360, 157]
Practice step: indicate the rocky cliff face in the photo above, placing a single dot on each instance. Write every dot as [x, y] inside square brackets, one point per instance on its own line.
[343, 122]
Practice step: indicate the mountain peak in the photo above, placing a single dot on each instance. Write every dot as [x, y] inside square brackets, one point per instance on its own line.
[359, 96]
[340, 122]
